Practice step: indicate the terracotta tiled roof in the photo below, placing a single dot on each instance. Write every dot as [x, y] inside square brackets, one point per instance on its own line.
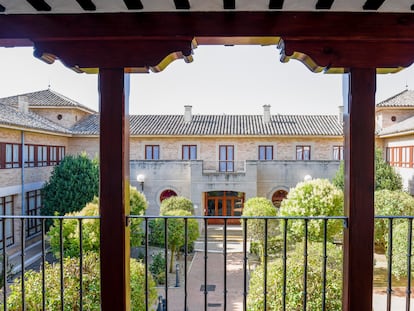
[11, 116]
[403, 99]
[402, 127]
[46, 98]
[251, 125]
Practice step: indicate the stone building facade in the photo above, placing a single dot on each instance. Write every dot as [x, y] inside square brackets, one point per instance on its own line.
[217, 161]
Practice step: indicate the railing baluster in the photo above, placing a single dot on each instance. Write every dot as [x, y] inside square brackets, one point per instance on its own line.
[245, 264]
[43, 264]
[285, 221]
[265, 266]
[305, 266]
[166, 261]
[23, 246]
[146, 262]
[225, 264]
[3, 236]
[324, 262]
[205, 262]
[409, 255]
[185, 262]
[80, 265]
[389, 276]
[62, 285]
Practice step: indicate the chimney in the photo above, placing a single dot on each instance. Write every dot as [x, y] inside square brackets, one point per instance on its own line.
[187, 113]
[341, 114]
[266, 113]
[23, 104]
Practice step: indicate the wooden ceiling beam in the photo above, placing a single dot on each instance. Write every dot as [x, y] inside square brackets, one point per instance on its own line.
[182, 4]
[87, 5]
[373, 4]
[276, 4]
[229, 4]
[134, 4]
[40, 5]
[324, 4]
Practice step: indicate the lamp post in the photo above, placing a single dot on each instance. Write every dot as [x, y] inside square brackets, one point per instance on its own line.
[141, 179]
[307, 178]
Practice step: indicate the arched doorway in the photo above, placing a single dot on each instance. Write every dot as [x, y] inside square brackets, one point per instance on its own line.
[224, 203]
[278, 196]
[168, 193]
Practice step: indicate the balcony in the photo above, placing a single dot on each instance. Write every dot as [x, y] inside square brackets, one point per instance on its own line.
[221, 270]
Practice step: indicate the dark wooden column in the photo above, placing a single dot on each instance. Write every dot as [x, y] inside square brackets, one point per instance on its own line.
[359, 127]
[114, 191]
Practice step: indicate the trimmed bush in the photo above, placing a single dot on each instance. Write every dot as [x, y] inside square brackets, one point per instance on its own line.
[256, 227]
[317, 197]
[91, 286]
[176, 203]
[90, 227]
[175, 228]
[390, 203]
[294, 281]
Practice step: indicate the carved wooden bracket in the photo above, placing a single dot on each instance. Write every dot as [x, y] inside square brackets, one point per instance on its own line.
[140, 55]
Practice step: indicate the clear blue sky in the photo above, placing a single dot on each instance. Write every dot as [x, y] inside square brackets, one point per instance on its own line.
[230, 80]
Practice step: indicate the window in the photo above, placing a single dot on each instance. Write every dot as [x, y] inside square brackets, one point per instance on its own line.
[167, 194]
[152, 152]
[61, 154]
[53, 155]
[33, 206]
[10, 155]
[338, 152]
[303, 153]
[29, 155]
[266, 153]
[400, 156]
[7, 208]
[226, 158]
[42, 156]
[189, 152]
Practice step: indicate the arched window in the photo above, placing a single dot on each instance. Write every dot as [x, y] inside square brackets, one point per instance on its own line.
[167, 194]
[278, 197]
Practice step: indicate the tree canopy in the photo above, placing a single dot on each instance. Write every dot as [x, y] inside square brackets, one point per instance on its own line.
[73, 183]
[385, 175]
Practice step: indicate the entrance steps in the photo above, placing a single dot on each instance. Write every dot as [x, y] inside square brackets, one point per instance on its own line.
[215, 239]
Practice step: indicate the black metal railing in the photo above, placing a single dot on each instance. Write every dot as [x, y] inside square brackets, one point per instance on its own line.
[215, 248]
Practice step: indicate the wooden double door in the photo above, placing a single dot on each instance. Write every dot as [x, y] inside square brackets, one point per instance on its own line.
[224, 203]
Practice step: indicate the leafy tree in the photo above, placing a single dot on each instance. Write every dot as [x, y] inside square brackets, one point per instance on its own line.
[176, 203]
[256, 227]
[176, 232]
[294, 281]
[390, 203]
[317, 197]
[90, 227]
[385, 175]
[90, 282]
[73, 183]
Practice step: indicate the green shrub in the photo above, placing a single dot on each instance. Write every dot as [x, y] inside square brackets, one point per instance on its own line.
[91, 286]
[157, 268]
[256, 227]
[317, 197]
[72, 184]
[385, 175]
[294, 279]
[399, 248]
[176, 203]
[175, 228]
[390, 203]
[90, 227]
